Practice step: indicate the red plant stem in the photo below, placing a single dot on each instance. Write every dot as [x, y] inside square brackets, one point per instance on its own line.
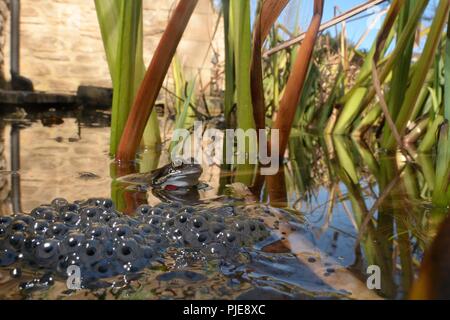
[296, 81]
[270, 11]
[276, 188]
[153, 80]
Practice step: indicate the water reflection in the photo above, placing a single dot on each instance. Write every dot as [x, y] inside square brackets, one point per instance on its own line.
[4, 183]
[15, 168]
[382, 203]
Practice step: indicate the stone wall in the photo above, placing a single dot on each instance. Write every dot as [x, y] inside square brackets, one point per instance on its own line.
[4, 14]
[61, 45]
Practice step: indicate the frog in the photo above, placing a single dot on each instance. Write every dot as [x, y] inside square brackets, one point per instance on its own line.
[175, 176]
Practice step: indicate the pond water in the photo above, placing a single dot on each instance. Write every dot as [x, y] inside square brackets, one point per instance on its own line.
[321, 240]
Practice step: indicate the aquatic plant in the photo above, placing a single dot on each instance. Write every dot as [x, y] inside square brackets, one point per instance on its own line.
[121, 27]
[393, 92]
[377, 193]
[268, 15]
[294, 86]
[397, 95]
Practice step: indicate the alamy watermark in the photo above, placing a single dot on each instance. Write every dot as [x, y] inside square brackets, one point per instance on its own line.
[232, 146]
[73, 281]
[373, 282]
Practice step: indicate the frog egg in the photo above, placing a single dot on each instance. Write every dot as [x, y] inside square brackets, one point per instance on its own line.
[148, 252]
[90, 214]
[155, 221]
[169, 213]
[168, 225]
[95, 202]
[157, 240]
[107, 204]
[44, 213]
[99, 232]
[32, 242]
[133, 223]
[72, 242]
[5, 222]
[204, 237]
[7, 257]
[261, 232]
[17, 240]
[216, 250]
[241, 226]
[215, 228]
[258, 230]
[113, 223]
[91, 251]
[104, 269]
[74, 259]
[187, 209]
[177, 234]
[64, 261]
[3, 233]
[40, 226]
[107, 216]
[156, 211]
[128, 250]
[175, 205]
[62, 264]
[70, 218]
[213, 217]
[229, 237]
[57, 230]
[139, 239]
[162, 206]
[109, 248]
[122, 231]
[59, 203]
[69, 207]
[47, 279]
[198, 223]
[145, 229]
[181, 220]
[18, 225]
[25, 218]
[47, 250]
[226, 211]
[144, 210]
[194, 240]
[130, 267]
[81, 203]
[252, 225]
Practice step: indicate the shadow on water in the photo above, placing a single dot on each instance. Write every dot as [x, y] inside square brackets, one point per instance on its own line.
[346, 205]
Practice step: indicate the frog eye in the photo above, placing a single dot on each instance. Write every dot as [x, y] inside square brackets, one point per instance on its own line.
[177, 163]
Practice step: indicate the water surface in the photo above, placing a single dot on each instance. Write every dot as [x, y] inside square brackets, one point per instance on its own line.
[322, 244]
